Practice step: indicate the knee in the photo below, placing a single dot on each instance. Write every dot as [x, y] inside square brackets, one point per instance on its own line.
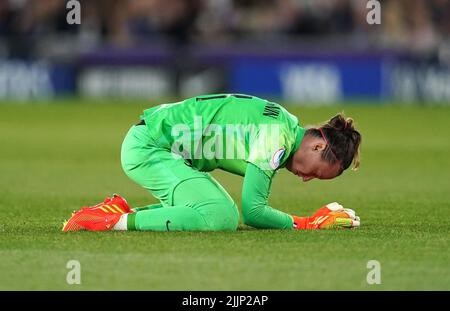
[220, 215]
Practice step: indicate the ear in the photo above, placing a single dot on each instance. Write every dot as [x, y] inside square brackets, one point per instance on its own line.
[319, 146]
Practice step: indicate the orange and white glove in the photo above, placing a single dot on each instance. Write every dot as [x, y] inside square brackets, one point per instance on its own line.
[331, 216]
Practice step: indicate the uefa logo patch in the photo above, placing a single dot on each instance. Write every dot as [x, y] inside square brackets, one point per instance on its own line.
[276, 158]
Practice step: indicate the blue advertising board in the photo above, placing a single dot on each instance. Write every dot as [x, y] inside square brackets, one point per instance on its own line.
[297, 77]
[326, 78]
[20, 79]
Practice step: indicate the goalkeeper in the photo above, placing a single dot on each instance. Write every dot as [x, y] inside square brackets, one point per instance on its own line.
[174, 146]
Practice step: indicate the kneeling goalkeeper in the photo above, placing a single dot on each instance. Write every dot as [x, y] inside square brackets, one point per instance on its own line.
[174, 146]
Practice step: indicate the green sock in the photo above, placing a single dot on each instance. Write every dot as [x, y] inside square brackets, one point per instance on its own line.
[131, 221]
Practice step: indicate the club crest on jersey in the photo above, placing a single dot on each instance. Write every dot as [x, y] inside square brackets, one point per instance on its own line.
[276, 158]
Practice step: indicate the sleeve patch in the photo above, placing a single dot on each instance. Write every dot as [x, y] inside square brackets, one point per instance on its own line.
[276, 158]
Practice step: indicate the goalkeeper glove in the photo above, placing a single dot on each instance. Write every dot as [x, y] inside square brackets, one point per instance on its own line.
[331, 216]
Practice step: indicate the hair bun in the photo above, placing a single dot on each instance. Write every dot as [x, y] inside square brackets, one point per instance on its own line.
[341, 123]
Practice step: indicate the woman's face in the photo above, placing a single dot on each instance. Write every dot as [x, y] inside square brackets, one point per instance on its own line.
[307, 162]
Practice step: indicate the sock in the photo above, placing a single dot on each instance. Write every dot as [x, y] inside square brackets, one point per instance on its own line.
[122, 223]
[131, 221]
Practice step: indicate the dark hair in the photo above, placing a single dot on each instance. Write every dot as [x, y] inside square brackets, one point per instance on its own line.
[343, 141]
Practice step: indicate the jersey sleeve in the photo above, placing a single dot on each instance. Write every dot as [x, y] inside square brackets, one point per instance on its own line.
[255, 195]
[269, 149]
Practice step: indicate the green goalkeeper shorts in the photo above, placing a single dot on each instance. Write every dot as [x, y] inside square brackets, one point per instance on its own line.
[190, 199]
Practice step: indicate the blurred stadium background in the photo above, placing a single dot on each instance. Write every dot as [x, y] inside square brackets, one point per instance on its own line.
[300, 51]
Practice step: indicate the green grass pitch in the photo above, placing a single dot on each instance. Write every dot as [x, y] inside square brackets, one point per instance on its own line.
[57, 157]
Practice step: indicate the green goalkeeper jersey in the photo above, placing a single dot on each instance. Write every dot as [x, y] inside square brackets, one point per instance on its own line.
[227, 131]
[240, 134]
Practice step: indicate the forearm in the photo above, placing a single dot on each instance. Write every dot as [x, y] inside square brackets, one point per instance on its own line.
[255, 210]
[265, 217]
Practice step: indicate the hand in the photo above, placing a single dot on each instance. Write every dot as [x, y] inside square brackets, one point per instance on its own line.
[331, 216]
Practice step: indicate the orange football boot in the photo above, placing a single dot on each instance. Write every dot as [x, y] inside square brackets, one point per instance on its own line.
[100, 217]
